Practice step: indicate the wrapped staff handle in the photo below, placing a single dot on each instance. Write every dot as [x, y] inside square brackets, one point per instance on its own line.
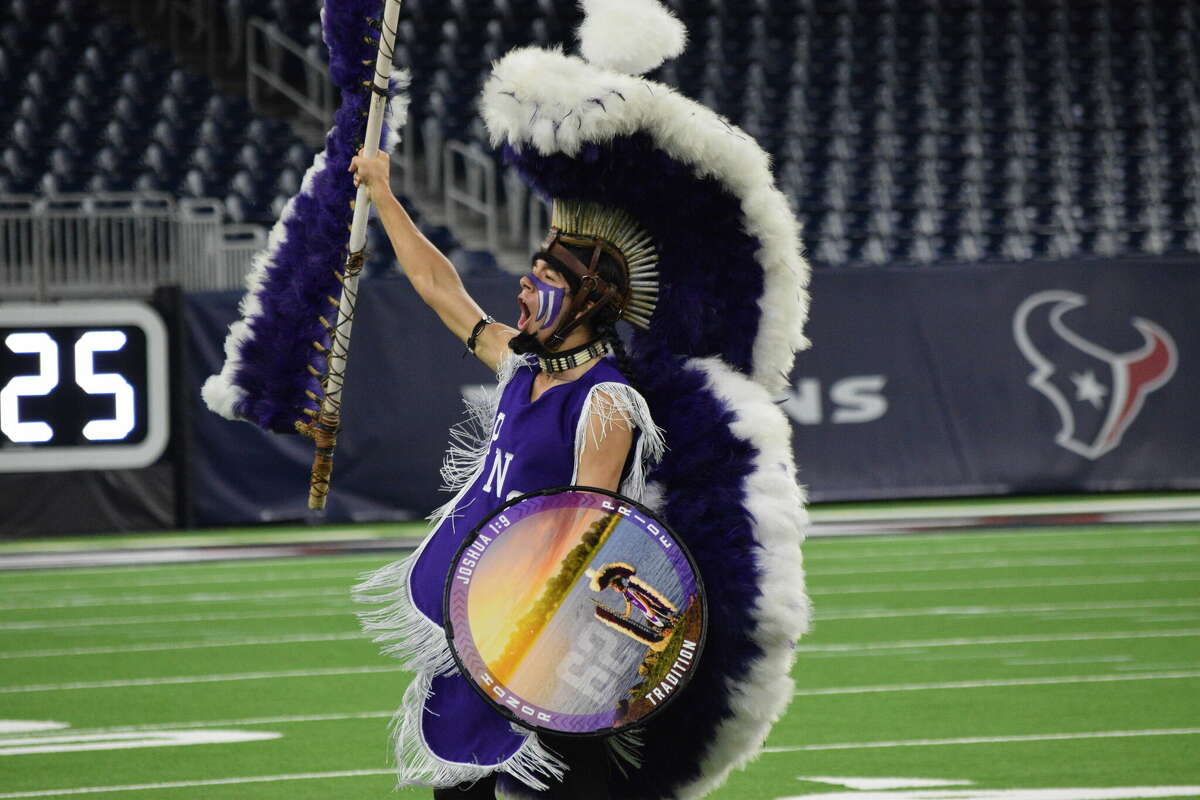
[324, 429]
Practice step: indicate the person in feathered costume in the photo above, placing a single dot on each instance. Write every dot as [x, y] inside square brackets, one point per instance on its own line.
[717, 343]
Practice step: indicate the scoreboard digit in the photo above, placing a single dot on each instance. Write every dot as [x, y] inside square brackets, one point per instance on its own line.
[82, 386]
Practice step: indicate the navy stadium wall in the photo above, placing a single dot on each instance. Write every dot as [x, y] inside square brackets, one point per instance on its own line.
[920, 383]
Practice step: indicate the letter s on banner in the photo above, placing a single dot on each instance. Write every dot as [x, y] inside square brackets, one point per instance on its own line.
[855, 400]
[859, 399]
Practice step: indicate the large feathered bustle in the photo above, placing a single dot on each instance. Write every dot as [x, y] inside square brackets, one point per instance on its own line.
[270, 376]
[719, 348]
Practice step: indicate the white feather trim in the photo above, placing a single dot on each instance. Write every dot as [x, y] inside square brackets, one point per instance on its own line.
[557, 103]
[612, 403]
[630, 36]
[776, 502]
[397, 109]
[221, 394]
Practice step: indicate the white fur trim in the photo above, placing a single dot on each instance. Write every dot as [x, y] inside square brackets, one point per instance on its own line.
[397, 109]
[612, 402]
[557, 103]
[759, 696]
[220, 392]
[630, 36]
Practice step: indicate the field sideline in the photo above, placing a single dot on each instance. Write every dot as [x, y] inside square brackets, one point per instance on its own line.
[1046, 664]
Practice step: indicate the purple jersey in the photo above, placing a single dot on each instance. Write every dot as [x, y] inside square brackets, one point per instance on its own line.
[534, 446]
[449, 734]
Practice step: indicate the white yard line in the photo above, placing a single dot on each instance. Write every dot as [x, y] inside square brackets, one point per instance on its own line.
[233, 723]
[973, 611]
[862, 647]
[1037, 583]
[908, 687]
[1004, 563]
[82, 601]
[1085, 506]
[193, 679]
[233, 616]
[137, 787]
[1071, 793]
[850, 648]
[168, 557]
[1046, 662]
[348, 609]
[1032, 545]
[300, 638]
[1002, 682]
[298, 575]
[78, 742]
[1033, 737]
[976, 530]
[800, 748]
[370, 559]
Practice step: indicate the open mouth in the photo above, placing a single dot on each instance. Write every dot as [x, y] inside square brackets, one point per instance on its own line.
[525, 315]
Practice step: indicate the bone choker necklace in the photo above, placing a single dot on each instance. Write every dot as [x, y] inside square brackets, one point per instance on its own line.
[560, 362]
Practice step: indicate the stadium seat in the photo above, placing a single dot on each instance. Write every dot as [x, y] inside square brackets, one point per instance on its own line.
[964, 129]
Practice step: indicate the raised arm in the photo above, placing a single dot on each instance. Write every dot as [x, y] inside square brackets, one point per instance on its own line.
[431, 273]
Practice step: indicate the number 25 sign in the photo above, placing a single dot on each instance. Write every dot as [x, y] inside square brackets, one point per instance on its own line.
[82, 386]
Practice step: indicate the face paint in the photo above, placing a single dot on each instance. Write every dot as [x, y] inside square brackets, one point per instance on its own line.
[550, 302]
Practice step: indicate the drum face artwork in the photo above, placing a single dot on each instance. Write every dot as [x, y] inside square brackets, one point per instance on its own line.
[574, 610]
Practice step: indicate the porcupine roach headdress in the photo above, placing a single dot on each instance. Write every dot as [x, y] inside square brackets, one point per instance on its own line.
[588, 225]
[717, 345]
[278, 355]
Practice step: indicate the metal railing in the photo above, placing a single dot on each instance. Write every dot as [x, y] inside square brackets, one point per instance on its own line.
[463, 176]
[118, 244]
[239, 244]
[537, 221]
[469, 183]
[270, 54]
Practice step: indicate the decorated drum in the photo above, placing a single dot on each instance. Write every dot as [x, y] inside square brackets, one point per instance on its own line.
[575, 610]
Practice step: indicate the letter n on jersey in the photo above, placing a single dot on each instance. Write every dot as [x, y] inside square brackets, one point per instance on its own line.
[499, 473]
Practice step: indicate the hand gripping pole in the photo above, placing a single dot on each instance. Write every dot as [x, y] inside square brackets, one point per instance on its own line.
[324, 429]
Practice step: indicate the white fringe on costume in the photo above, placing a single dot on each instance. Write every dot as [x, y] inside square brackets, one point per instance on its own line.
[405, 633]
[610, 404]
[420, 643]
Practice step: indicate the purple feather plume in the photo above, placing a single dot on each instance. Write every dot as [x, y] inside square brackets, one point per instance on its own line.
[266, 376]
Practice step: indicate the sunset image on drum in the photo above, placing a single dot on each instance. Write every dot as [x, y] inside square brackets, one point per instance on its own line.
[575, 611]
[525, 579]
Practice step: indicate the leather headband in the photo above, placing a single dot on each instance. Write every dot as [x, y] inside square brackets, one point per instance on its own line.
[592, 287]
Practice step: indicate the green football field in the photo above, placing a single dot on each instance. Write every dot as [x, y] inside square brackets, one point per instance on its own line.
[1049, 664]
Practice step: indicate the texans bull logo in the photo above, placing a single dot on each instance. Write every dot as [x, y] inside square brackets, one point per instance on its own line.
[1097, 393]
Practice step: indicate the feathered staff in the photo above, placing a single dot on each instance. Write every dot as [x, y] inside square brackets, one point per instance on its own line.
[284, 359]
